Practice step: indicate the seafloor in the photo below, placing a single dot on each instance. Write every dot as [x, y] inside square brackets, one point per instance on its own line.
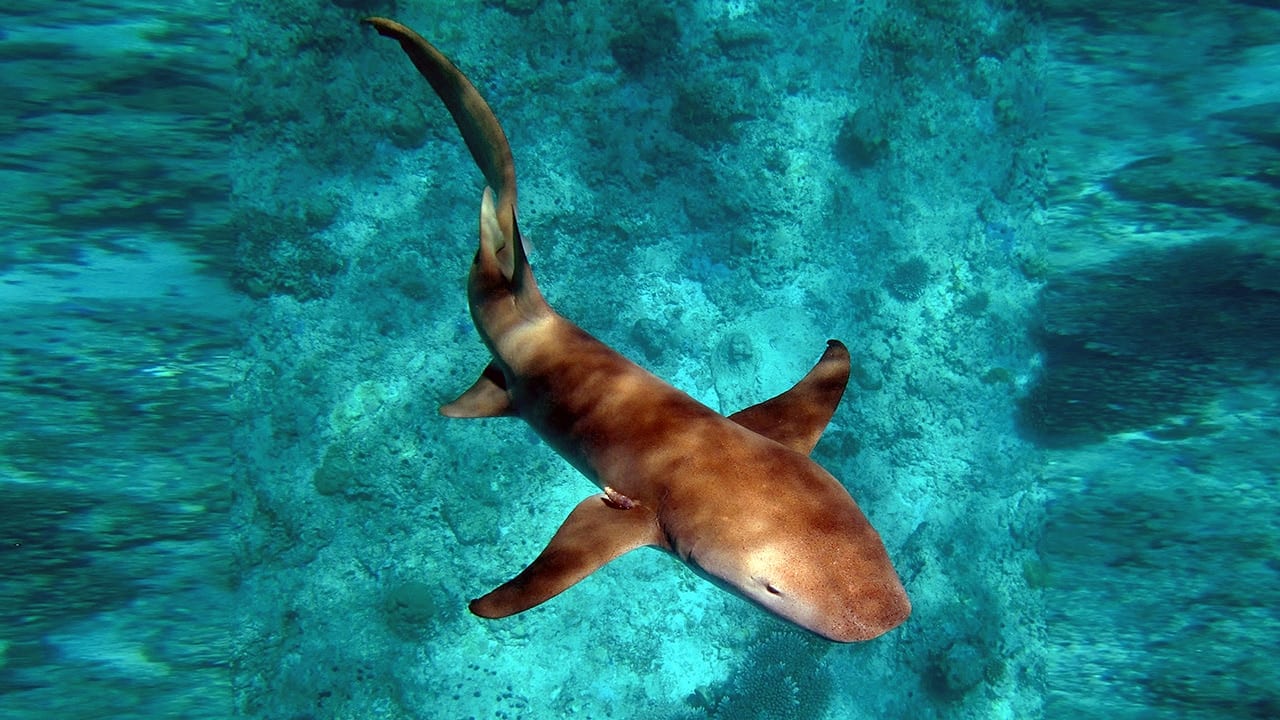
[235, 242]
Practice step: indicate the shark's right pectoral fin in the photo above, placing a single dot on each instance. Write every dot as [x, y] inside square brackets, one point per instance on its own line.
[486, 398]
[597, 531]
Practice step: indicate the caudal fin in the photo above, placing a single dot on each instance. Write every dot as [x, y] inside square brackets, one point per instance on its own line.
[480, 130]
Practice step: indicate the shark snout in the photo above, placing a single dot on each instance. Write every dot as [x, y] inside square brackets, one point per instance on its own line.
[874, 612]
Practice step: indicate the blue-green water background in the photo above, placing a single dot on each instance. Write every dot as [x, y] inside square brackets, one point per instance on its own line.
[234, 242]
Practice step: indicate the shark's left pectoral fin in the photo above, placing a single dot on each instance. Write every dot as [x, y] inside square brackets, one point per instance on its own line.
[598, 530]
[797, 417]
[486, 398]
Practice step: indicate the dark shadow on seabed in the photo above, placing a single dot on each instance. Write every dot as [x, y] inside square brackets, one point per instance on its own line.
[115, 361]
[1161, 385]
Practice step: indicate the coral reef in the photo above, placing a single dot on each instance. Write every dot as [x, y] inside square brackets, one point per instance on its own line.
[706, 112]
[285, 253]
[781, 678]
[863, 138]
[1241, 179]
[646, 41]
[411, 607]
[909, 279]
[1150, 335]
[737, 372]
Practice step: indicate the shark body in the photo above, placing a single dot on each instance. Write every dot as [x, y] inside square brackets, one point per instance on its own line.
[737, 498]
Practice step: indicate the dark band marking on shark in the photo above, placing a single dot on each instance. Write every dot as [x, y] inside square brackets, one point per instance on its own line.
[736, 498]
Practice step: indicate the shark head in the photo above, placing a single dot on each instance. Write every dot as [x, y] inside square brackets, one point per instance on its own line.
[853, 594]
[815, 561]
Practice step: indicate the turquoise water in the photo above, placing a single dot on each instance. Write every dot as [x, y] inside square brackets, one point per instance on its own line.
[235, 242]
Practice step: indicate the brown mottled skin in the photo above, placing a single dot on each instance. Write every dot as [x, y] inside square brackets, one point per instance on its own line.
[736, 498]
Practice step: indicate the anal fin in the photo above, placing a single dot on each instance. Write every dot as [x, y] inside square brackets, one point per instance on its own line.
[486, 398]
[596, 532]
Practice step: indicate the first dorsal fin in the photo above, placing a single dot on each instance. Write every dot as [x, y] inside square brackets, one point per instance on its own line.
[797, 417]
[598, 530]
[480, 130]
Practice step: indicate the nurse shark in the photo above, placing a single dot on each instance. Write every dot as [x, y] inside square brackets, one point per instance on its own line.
[737, 498]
